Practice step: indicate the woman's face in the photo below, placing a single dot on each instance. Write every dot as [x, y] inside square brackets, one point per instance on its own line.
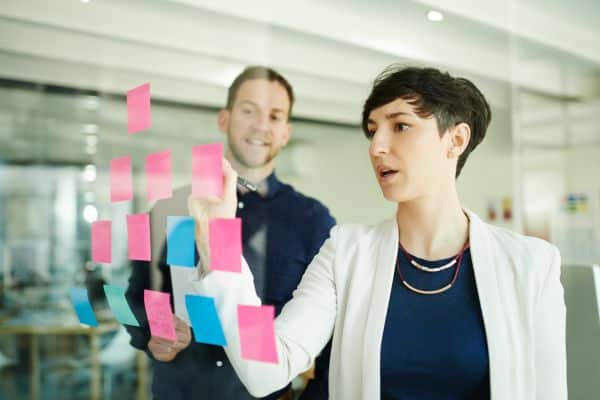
[409, 158]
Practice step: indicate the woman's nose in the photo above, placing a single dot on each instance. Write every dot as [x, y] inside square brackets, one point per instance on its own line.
[379, 144]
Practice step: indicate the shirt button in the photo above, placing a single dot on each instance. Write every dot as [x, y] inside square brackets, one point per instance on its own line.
[241, 204]
[219, 363]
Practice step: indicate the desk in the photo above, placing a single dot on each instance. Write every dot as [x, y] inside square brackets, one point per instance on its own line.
[35, 331]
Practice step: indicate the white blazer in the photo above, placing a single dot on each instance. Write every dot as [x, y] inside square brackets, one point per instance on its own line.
[345, 293]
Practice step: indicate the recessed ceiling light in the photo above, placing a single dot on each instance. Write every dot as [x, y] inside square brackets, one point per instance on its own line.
[90, 102]
[89, 173]
[90, 213]
[85, 1]
[90, 150]
[435, 16]
[91, 140]
[89, 129]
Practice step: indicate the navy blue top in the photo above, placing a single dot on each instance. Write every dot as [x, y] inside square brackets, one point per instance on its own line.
[434, 346]
[282, 230]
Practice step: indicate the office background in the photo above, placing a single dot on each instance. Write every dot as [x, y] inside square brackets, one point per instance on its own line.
[65, 67]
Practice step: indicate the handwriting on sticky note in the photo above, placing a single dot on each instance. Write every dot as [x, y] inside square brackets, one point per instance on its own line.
[225, 244]
[256, 325]
[160, 316]
[181, 241]
[205, 321]
[159, 175]
[102, 241]
[139, 116]
[207, 170]
[138, 237]
[121, 187]
[83, 308]
[119, 306]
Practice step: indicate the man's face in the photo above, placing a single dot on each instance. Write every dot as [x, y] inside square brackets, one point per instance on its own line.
[257, 125]
[407, 154]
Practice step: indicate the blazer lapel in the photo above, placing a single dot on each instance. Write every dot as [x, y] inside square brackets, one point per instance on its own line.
[386, 238]
[484, 267]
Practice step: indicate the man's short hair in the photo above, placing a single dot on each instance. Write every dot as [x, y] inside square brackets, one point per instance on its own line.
[259, 72]
[432, 92]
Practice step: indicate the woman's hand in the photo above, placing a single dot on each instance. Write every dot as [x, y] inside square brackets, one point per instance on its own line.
[203, 209]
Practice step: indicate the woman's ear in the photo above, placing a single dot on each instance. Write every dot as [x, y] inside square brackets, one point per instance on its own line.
[460, 136]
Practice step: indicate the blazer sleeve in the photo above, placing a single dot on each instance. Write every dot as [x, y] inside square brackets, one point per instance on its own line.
[302, 329]
[550, 344]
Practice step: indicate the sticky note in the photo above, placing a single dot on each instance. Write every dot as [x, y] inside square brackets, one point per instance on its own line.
[119, 306]
[138, 109]
[83, 308]
[225, 244]
[205, 321]
[138, 236]
[160, 316]
[180, 241]
[102, 241]
[207, 170]
[121, 188]
[256, 326]
[159, 175]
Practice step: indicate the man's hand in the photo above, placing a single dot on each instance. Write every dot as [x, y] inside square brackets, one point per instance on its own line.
[166, 350]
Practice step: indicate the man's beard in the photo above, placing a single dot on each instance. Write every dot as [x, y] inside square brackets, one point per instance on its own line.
[240, 158]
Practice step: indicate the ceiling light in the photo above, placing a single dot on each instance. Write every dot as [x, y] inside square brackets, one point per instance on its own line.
[90, 150]
[435, 16]
[89, 129]
[90, 102]
[90, 213]
[89, 173]
[91, 140]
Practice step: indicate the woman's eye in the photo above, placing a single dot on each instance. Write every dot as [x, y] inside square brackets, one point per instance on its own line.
[246, 111]
[401, 127]
[370, 134]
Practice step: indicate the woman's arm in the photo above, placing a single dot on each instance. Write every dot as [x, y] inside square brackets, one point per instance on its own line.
[306, 322]
[302, 329]
[550, 345]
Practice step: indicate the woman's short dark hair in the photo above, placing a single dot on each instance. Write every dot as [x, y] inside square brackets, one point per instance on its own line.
[259, 72]
[432, 92]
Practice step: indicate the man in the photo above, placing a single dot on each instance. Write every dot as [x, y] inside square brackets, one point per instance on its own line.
[281, 232]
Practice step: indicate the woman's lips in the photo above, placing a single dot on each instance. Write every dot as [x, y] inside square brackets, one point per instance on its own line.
[387, 175]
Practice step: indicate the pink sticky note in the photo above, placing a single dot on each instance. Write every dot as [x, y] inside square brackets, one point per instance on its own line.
[138, 109]
[158, 175]
[160, 316]
[101, 241]
[121, 188]
[256, 326]
[138, 236]
[225, 244]
[207, 170]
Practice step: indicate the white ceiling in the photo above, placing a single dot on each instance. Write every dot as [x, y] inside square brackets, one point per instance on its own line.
[329, 49]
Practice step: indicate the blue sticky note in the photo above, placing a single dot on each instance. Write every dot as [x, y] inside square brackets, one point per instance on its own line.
[119, 306]
[205, 321]
[180, 241]
[83, 308]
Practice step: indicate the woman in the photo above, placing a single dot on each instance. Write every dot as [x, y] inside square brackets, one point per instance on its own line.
[431, 304]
